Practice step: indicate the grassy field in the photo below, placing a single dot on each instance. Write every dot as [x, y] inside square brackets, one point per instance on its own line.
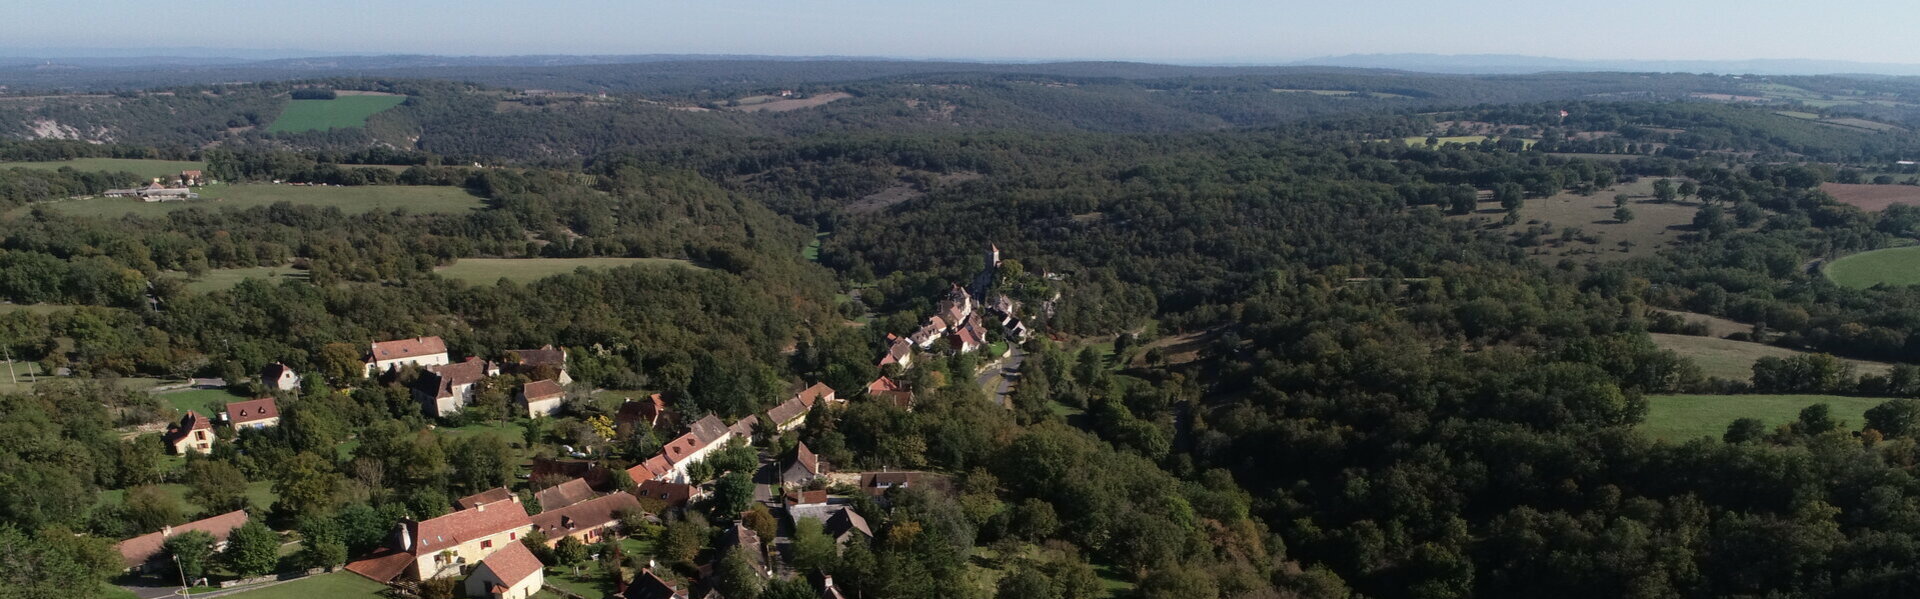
[205, 401]
[260, 492]
[344, 112]
[487, 270]
[1891, 266]
[1654, 225]
[352, 200]
[1716, 326]
[1733, 360]
[1683, 417]
[337, 585]
[143, 168]
[225, 278]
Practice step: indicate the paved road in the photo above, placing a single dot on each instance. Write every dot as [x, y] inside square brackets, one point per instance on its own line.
[998, 382]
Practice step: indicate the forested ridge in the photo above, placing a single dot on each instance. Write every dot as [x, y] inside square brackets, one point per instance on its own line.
[1280, 351]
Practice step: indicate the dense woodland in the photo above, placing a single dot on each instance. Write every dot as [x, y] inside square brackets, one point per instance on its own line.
[1388, 400]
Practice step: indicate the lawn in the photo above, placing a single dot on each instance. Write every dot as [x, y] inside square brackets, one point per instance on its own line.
[592, 583]
[1729, 359]
[1683, 417]
[344, 112]
[1891, 266]
[220, 279]
[812, 251]
[337, 585]
[349, 199]
[259, 492]
[526, 270]
[205, 401]
[144, 168]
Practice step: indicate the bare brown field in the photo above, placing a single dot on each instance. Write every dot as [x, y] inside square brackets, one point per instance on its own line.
[1872, 198]
[792, 104]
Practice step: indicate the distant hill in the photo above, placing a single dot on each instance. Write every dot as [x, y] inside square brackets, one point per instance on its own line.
[1516, 64]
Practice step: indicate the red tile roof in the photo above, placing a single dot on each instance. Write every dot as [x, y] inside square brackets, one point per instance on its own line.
[242, 412]
[513, 563]
[806, 497]
[484, 498]
[191, 422]
[442, 379]
[465, 525]
[544, 389]
[648, 410]
[592, 513]
[883, 384]
[406, 348]
[383, 565]
[673, 494]
[654, 467]
[545, 356]
[744, 426]
[140, 549]
[807, 459]
[708, 429]
[564, 494]
[815, 393]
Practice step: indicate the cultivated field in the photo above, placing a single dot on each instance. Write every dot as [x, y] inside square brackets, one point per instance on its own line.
[1733, 360]
[344, 112]
[1891, 266]
[144, 168]
[487, 270]
[1873, 198]
[1654, 226]
[1685, 417]
[351, 200]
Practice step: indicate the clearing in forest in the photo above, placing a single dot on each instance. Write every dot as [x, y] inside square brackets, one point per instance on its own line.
[1595, 234]
[1891, 266]
[1733, 360]
[344, 112]
[778, 104]
[1463, 139]
[1873, 198]
[138, 166]
[349, 199]
[1686, 417]
[523, 270]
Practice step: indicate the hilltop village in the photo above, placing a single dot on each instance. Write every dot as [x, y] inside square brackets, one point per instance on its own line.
[737, 505]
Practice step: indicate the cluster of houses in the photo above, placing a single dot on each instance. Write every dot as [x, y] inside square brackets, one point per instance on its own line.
[446, 386]
[958, 319]
[161, 190]
[482, 541]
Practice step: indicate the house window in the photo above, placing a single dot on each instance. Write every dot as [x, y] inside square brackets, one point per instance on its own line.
[486, 544]
[200, 435]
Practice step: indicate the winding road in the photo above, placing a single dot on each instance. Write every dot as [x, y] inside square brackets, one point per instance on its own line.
[998, 381]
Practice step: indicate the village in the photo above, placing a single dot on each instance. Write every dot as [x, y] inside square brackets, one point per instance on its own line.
[500, 543]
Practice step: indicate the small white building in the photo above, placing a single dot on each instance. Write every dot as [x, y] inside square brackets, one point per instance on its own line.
[280, 377]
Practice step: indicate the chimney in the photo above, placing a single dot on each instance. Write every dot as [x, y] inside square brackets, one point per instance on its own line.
[166, 531]
[406, 538]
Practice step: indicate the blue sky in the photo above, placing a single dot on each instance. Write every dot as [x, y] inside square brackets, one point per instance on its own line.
[1192, 31]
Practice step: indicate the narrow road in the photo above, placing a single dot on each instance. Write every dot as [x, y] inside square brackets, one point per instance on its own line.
[998, 382]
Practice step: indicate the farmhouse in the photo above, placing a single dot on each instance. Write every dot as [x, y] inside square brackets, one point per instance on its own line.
[845, 523]
[139, 551]
[743, 428]
[543, 363]
[670, 495]
[646, 585]
[564, 494]
[484, 497]
[888, 390]
[253, 413]
[445, 389]
[586, 521]
[806, 467]
[510, 573]
[441, 546]
[635, 415]
[542, 398]
[280, 377]
[193, 433]
[929, 332]
[792, 412]
[670, 465]
[387, 356]
[899, 352]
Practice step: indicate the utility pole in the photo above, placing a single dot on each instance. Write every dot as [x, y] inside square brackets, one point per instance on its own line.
[185, 591]
[10, 375]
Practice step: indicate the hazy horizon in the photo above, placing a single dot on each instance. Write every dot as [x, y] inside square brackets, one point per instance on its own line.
[1226, 32]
